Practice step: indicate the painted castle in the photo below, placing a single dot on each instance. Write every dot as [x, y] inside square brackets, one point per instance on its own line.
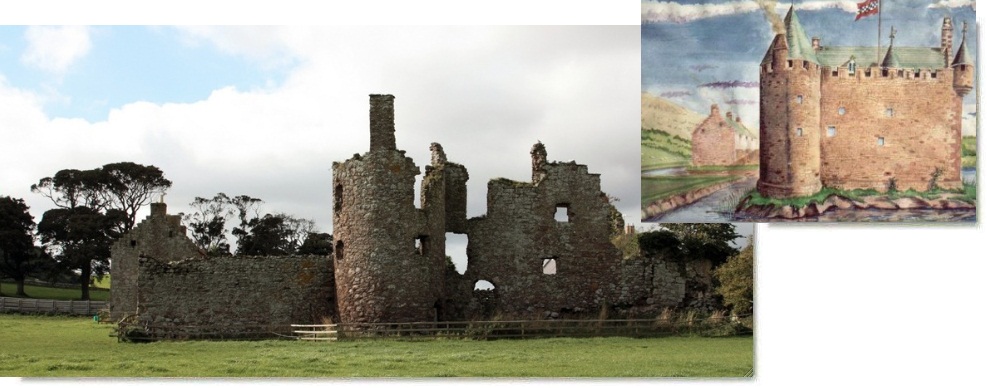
[722, 142]
[832, 117]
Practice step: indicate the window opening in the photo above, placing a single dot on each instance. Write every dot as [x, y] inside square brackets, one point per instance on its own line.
[889, 112]
[841, 111]
[562, 212]
[133, 243]
[880, 141]
[483, 285]
[456, 251]
[421, 245]
[339, 250]
[337, 204]
[798, 132]
[798, 99]
[830, 131]
[549, 266]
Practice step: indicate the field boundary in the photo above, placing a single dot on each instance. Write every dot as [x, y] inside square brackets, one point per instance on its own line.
[481, 330]
[51, 306]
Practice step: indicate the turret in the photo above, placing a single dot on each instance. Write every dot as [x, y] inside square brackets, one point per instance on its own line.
[946, 45]
[790, 95]
[891, 58]
[963, 68]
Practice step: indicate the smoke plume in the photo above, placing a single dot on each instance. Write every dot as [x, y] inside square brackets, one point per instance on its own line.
[678, 93]
[769, 6]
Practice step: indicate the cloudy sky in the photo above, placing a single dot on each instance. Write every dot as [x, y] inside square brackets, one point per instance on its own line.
[265, 111]
[697, 52]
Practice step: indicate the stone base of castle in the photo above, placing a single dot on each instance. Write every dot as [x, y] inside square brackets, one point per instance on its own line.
[787, 191]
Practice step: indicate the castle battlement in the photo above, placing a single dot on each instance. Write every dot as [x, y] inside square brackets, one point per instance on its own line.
[832, 117]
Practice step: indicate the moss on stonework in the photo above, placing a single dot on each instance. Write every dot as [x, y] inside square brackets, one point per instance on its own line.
[754, 198]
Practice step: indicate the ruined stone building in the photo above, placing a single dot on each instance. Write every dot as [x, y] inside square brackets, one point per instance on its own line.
[839, 117]
[722, 142]
[544, 245]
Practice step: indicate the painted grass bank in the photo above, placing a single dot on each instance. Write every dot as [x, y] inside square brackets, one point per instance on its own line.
[54, 346]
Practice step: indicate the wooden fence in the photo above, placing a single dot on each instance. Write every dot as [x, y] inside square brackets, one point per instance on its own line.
[49, 306]
[517, 329]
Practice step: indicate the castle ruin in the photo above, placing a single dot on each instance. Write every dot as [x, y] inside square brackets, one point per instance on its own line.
[830, 117]
[544, 245]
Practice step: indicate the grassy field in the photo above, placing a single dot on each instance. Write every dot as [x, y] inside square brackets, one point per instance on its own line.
[57, 346]
[655, 188]
[660, 149]
[37, 292]
[969, 151]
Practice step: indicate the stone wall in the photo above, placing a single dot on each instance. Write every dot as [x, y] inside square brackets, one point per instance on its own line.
[713, 141]
[519, 242]
[160, 236]
[894, 124]
[227, 296]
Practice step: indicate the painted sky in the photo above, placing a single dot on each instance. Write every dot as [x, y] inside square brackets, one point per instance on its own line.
[689, 43]
[265, 111]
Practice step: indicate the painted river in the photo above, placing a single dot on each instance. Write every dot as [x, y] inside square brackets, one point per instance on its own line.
[716, 207]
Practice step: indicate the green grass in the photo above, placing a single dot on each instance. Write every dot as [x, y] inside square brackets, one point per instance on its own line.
[102, 283]
[655, 188]
[57, 346]
[38, 292]
[660, 149]
[969, 192]
[969, 158]
[745, 167]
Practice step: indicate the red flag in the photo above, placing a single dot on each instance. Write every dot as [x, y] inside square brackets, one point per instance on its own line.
[866, 8]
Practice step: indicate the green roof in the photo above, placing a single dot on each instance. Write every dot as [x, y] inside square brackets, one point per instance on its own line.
[739, 128]
[905, 57]
[891, 58]
[799, 45]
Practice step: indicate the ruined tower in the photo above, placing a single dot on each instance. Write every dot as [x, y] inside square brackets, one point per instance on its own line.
[790, 95]
[159, 236]
[390, 256]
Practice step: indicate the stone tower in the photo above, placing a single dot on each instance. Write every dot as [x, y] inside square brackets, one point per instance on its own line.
[946, 42]
[962, 68]
[390, 256]
[790, 95]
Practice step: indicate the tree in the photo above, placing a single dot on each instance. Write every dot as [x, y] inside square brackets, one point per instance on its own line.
[19, 258]
[273, 234]
[736, 278]
[705, 241]
[94, 207]
[130, 186]
[319, 244]
[82, 238]
[208, 224]
[660, 243]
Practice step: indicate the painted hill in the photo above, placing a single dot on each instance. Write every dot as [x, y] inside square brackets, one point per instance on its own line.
[661, 114]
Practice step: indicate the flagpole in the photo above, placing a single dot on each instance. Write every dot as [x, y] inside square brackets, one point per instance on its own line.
[879, 9]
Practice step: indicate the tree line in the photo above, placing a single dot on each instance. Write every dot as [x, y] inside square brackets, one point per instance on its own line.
[93, 208]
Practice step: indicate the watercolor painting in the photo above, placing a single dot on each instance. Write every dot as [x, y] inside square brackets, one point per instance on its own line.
[813, 111]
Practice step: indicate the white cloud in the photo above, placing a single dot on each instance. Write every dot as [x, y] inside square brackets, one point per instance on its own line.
[54, 49]
[667, 11]
[954, 4]
[486, 94]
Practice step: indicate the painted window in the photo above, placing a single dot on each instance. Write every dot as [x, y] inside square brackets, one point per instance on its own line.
[798, 99]
[889, 112]
[798, 132]
[880, 141]
[841, 111]
[830, 131]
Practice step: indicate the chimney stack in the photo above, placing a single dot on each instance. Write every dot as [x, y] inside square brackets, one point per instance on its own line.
[382, 122]
[815, 43]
